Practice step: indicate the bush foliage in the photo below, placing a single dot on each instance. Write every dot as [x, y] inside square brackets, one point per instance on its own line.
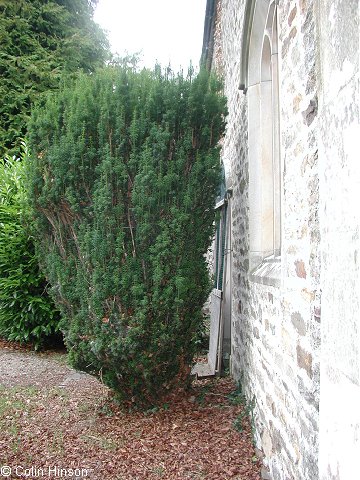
[27, 313]
[42, 40]
[124, 173]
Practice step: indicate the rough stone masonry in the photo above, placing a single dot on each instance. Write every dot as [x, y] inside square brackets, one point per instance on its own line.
[289, 325]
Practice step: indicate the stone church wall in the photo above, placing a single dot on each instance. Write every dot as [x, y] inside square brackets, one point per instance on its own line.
[276, 325]
[339, 213]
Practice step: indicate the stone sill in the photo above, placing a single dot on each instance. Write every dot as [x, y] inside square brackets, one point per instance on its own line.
[268, 272]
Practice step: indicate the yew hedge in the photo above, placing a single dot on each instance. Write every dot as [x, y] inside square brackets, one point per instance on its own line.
[122, 179]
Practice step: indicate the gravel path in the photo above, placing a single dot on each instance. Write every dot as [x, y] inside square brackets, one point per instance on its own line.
[26, 368]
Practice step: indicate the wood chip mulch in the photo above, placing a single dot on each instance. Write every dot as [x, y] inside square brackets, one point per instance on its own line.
[69, 422]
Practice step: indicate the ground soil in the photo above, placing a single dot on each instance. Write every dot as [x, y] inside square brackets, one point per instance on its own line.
[59, 423]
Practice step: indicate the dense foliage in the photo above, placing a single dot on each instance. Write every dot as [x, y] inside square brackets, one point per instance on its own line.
[27, 313]
[41, 40]
[123, 179]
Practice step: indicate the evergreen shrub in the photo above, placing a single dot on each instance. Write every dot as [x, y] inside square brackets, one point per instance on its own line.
[27, 312]
[42, 41]
[123, 177]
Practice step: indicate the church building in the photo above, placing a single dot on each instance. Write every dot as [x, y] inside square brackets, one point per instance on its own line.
[288, 242]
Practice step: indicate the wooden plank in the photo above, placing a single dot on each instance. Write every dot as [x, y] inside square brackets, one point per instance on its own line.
[215, 312]
[202, 370]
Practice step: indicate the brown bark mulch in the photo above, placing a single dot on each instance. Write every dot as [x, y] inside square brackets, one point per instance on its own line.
[55, 421]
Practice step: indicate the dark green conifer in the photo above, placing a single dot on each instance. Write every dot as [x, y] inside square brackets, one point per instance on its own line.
[41, 41]
[124, 173]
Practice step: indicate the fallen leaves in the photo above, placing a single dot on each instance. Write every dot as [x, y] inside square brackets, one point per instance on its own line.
[77, 426]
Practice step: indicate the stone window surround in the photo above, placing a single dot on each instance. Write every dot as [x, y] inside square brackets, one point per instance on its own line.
[260, 59]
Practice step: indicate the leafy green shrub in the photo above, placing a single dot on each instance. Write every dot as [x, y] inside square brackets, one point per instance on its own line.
[41, 41]
[123, 179]
[27, 314]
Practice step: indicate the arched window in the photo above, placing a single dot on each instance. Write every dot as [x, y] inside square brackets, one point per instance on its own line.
[262, 88]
